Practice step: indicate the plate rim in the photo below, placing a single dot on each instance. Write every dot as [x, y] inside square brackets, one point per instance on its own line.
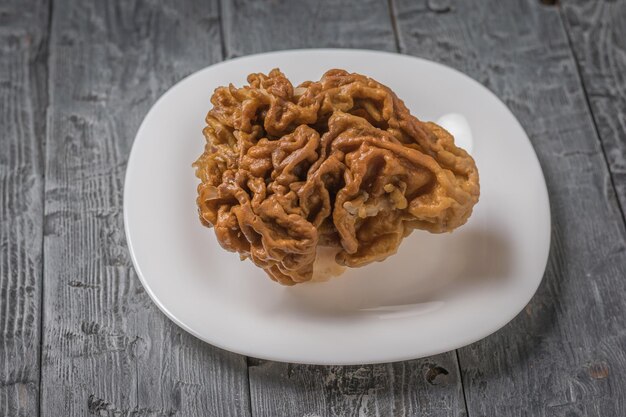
[504, 320]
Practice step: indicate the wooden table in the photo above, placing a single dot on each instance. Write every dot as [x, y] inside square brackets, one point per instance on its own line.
[78, 334]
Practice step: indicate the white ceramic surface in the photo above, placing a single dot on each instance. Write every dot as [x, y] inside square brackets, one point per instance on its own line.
[440, 292]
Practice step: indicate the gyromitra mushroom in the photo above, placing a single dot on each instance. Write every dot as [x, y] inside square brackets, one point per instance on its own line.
[334, 166]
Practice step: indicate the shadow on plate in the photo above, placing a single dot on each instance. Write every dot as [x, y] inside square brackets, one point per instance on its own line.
[427, 270]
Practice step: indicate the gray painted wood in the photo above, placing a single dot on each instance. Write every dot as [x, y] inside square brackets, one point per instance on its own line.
[564, 355]
[258, 26]
[23, 50]
[107, 350]
[425, 387]
[429, 387]
[597, 30]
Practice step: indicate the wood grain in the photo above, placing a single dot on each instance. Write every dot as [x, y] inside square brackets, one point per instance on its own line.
[252, 26]
[428, 387]
[597, 31]
[107, 349]
[424, 387]
[565, 354]
[23, 98]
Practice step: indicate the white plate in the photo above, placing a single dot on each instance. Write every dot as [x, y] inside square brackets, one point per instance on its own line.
[440, 292]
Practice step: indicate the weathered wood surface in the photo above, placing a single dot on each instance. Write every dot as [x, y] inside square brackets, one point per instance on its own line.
[597, 31]
[427, 387]
[251, 26]
[23, 51]
[424, 387]
[107, 350]
[564, 355]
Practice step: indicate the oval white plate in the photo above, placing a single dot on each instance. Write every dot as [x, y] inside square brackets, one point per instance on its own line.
[440, 292]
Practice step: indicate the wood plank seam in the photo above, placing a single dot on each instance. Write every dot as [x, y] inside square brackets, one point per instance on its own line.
[248, 365]
[460, 371]
[48, 31]
[222, 32]
[394, 24]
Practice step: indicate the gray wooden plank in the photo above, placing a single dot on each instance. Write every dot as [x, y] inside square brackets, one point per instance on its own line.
[564, 355]
[107, 350]
[427, 387]
[268, 25]
[23, 97]
[597, 31]
[424, 387]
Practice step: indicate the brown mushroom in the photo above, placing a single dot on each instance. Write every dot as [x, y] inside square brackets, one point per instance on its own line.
[339, 163]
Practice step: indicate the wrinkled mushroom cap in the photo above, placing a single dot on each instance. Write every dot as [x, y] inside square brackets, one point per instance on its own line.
[337, 163]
